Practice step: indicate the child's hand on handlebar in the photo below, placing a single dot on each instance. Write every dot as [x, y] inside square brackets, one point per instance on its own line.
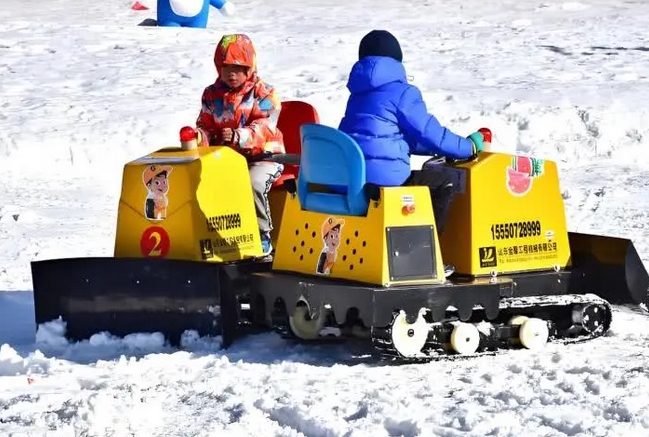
[478, 141]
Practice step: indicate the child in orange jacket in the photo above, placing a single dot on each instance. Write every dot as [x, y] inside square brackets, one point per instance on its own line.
[241, 110]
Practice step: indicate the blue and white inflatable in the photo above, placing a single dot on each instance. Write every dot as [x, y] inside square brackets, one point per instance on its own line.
[190, 13]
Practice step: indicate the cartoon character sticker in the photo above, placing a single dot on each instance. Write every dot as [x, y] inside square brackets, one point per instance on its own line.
[331, 235]
[156, 180]
[520, 174]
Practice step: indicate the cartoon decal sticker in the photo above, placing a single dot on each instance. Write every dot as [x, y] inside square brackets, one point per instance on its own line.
[156, 180]
[520, 174]
[331, 233]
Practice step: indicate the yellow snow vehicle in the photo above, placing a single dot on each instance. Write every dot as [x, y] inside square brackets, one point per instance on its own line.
[351, 259]
[362, 260]
[186, 241]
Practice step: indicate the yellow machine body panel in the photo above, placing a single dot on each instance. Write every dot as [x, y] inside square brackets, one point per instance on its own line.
[507, 217]
[371, 249]
[276, 201]
[192, 205]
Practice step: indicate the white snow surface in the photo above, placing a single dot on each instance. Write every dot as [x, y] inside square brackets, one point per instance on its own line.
[83, 89]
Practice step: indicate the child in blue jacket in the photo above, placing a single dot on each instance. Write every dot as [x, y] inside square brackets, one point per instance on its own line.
[388, 118]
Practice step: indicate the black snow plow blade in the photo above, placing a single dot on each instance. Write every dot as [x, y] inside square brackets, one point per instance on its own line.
[122, 296]
[609, 267]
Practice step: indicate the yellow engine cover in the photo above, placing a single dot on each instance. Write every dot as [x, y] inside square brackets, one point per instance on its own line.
[507, 217]
[389, 246]
[192, 205]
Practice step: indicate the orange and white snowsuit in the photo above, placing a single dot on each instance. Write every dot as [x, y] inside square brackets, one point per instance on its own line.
[252, 110]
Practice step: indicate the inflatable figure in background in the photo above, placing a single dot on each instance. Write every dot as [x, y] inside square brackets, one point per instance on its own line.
[190, 13]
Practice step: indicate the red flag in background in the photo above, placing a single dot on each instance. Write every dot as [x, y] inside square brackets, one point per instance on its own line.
[137, 6]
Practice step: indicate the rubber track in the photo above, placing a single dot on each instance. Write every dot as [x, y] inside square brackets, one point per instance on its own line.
[434, 351]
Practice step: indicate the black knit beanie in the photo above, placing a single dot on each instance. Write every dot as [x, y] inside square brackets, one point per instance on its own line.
[380, 43]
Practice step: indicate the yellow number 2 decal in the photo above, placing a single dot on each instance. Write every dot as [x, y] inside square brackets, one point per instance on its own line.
[155, 242]
[155, 250]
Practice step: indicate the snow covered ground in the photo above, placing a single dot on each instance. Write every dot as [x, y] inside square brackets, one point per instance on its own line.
[84, 89]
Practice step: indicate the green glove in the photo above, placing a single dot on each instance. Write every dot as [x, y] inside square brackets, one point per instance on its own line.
[478, 141]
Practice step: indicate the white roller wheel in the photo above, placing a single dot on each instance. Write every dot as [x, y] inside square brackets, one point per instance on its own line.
[534, 333]
[465, 338]
[303, 326]
[409, 339]
[517, 320]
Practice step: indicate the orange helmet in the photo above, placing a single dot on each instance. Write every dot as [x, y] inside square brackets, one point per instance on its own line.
[236, 49]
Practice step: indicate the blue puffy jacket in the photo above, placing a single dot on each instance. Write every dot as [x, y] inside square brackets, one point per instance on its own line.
[389, 120]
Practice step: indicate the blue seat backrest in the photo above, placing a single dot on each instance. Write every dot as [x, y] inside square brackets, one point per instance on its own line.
[331, 158]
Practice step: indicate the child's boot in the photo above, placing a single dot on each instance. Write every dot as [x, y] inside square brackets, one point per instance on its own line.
[266, 244]
[448, 270]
